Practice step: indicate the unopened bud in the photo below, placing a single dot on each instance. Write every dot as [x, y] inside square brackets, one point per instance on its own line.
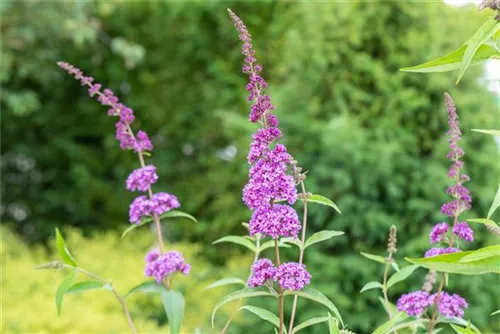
[430, 280]
[391, 245]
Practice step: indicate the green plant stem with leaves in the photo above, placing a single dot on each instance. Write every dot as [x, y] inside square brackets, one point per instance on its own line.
[109, 284]
[384, 284]
[301, 251]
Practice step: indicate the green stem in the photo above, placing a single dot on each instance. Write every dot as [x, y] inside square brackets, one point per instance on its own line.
[280, 290]
[301, 252]
[121, 300]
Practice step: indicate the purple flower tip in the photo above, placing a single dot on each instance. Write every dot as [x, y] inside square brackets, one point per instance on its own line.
[450, 305]
[262, 270]
[462, 230]
[162, 266]
[414, 303]
[438, 232]
[141, 179]
[439, 251]
[293, 276]
[278, 221]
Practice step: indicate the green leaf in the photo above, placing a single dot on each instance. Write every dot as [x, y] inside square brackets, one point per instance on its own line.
[237, 240]
[293, 241]
[146, 287]
[371, 285]
[310, 322]
[63, 250]
[226, 281]
[394, 264]
[63, 288]
[450, 263]
[321, 236]
[461, 322]
[168, 214]
[483, 34]
[240, 294]
[483, 221]
[492, 132]
[333, 325]
[376, 258]
[388, 325]
[409, 322]
[173, 302]
[496, 312]
[482, 253]
[323, 200]
[270, 243]
[390, 308]
[88, 285]
[495, 204]
[452, 61]
[263, 314]
[318, 297]
[462, 330]
[401, 275]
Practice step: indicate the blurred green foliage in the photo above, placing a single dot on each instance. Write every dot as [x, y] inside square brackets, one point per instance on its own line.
[372, 137]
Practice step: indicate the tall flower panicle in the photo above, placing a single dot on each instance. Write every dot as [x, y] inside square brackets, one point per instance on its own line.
[141, 179]
[269, 178]
[416, 303]
[461, 196]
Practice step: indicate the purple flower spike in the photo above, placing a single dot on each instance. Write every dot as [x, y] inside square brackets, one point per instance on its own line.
[414, 303]
[293, 276]
[278, 221]
[450, 305]
[439, 251]
[262, 270]
[462, 230]
[141, 179]
[160, 267]
[438, 232]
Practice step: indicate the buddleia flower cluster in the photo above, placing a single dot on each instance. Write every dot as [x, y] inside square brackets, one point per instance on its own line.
[451, 305]
[140, 180]
[270, 180]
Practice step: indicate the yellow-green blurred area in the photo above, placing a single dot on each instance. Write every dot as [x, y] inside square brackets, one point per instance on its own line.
[122, 261]
[372, 138]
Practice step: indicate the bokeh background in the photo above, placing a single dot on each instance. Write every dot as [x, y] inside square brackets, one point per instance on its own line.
[372, 137]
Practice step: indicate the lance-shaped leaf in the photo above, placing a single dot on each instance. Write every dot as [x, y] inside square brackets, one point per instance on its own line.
[453, 60]
[63, 250]
[462, 330]
[293, 241]
[240, 294]
[268, 244]
[226, 281]
[371, 285]
[63, 288]
[461, 322]
[310, 322]
[324, 201]
[482, 253]
[237, 240]
[318, 297]
[483, 221]
[89, 285]
[492, 132]
[388, 325]
[321, 236]
[168, 214]
[333, 325]
[495, 204]
[146, 287]
[173, 302]
[496, 312]
[401, 275]
[450, 263]
[263, 314]
[373, 257]
[483, 34]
